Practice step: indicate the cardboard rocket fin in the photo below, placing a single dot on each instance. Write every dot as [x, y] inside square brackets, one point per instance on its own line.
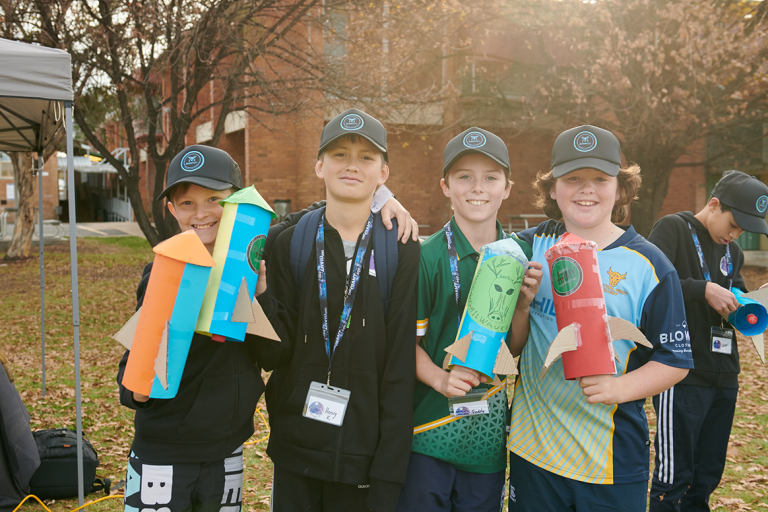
[125, 335]
[243, 311]
[460, 347]
[161, 362]
[760, 296]
[447, 361]
[624, 330]
[759, 343]
[505, 361]
[496, 381]
[261, 326]
[565, 341]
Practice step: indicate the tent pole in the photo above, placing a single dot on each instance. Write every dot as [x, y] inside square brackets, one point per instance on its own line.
[40, 164]
[75, 303]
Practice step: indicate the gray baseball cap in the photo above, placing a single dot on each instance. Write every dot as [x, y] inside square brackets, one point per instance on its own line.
[355, 122]
[475, 140]
[586, 147]
[205, 166]
[748, 198]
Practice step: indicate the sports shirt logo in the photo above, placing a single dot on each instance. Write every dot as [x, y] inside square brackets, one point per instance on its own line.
[567, 276]
[192, 161]
[762, 204]
[352, 122]
[474, 140]
[615, 277]
[585, 141]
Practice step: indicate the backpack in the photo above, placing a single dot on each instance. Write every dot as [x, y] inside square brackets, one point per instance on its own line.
[384, 251]
[57, 475]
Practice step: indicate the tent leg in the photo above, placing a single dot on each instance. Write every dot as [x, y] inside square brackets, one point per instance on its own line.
[42, 263]
[75, 300]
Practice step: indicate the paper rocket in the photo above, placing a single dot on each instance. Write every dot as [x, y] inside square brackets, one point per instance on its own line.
[160, 333]
[751, 318]
[586, 330]
[481, 341]
[228, 305]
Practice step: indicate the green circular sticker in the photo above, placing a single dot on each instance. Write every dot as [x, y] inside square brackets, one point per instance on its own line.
[255, 251]
[566, 276]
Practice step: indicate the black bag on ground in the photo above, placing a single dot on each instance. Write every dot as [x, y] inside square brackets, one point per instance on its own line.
[57, 475]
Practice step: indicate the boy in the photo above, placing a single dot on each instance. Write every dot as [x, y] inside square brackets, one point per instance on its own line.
[583, 445]
[695, 415]
[458, 463]
[340, 399]
[187, 451]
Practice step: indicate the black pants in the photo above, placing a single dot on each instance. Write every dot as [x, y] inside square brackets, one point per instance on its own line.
[292, 492]
[692, 431]
[205, 487]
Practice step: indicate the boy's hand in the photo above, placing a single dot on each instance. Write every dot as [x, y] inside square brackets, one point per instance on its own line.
[721, 300]
[602, 389]
[139, 398]
[406, 225]
[459, 381]
[261, 284]
[530, 287]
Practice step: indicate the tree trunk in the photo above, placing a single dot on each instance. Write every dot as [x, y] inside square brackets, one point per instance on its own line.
[24, 226]
[651, 195]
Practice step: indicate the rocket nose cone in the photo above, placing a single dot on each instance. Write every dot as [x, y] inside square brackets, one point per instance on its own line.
[752, 319]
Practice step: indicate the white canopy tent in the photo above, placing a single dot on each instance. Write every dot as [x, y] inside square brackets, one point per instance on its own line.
[35, 90]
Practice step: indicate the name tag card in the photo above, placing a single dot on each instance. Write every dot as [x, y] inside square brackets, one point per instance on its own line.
[721, 340]
[471, 404]
[325, 403]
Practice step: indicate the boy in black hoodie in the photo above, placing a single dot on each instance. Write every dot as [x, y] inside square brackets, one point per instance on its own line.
[695, 416]
[187, 451]
[345, 355]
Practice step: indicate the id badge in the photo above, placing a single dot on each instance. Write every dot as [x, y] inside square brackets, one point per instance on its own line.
[325, 403]
[721, 340]
[473, 403]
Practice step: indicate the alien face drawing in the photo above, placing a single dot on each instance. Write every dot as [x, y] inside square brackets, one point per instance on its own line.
[494, 292]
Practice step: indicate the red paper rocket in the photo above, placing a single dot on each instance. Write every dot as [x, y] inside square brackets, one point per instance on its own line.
[586, 330]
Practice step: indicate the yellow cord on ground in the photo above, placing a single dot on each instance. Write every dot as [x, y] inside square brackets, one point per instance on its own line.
[120, 495]
[265, 424]
[75, 510]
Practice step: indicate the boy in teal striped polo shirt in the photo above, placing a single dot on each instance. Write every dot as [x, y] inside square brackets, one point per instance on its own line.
[458, 462]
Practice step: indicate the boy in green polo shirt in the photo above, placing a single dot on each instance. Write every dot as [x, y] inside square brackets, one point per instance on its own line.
[457, 462]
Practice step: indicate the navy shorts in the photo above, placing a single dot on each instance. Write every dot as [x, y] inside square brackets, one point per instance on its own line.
[433, 485]
[534, 489]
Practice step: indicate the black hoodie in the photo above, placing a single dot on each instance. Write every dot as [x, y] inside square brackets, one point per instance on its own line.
[672, 235]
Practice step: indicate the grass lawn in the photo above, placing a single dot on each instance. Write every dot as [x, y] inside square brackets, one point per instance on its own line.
[109, 270]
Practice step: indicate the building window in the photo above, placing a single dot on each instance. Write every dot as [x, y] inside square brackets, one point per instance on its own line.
[6, 167]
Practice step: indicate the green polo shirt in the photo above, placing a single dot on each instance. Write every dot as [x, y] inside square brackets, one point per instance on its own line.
[469, 443]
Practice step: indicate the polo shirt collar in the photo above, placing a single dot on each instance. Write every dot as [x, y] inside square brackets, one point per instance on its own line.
[463, 247]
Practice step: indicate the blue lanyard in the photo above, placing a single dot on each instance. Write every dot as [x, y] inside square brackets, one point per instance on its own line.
[703, 263]
[453, 258]
[349, 298]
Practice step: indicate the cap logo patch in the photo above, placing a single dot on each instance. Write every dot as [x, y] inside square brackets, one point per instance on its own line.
[192, 161]
[474, 140]
[352, 122]
[585, 141]
[762, 204]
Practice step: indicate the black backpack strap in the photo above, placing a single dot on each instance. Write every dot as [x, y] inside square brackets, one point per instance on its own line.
[385, 256]
[302, 242]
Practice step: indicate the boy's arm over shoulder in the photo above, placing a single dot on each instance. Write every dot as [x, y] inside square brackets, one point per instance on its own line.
[279, 305]
[126, 395]
[390, 463]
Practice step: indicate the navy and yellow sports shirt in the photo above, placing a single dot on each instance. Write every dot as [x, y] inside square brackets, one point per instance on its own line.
[553, 426]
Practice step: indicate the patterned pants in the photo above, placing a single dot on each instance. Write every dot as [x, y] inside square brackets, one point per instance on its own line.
[206, 487]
